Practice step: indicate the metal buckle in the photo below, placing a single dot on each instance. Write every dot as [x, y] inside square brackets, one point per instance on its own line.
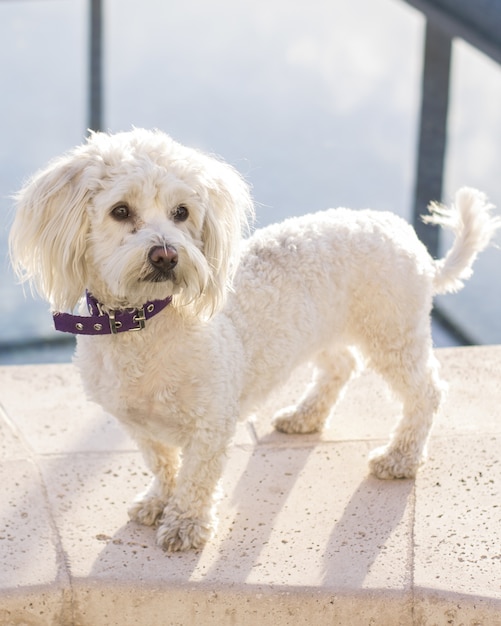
[140, 319]
[99, 309]
[114, 325]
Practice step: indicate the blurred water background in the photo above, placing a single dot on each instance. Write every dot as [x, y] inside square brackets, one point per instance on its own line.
[315, 103]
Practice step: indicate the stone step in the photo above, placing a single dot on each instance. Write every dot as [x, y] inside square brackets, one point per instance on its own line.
[306, 536]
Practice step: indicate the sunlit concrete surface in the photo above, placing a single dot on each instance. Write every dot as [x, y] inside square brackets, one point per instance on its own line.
[306, 536]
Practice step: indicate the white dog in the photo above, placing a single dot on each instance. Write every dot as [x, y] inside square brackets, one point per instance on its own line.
[153, 230]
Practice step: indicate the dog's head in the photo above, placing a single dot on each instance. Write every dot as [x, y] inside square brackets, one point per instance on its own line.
[132, 217]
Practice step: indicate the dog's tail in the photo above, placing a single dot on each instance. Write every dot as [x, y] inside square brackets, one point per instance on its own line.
[470, 220]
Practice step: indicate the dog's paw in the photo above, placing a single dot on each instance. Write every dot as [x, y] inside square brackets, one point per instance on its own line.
[387, 462]
[294, 422]
[176, 534]
[146, 509]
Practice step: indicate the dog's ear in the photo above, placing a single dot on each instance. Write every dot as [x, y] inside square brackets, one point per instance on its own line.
[229, 213]
[48, 237]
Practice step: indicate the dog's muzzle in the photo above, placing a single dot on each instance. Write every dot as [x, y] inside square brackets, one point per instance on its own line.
[163, 260]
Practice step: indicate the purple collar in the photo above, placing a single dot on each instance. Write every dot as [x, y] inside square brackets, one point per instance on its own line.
[101, 323]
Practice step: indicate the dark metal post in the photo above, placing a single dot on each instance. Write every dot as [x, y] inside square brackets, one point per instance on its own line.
[432, 131]
[95, 66]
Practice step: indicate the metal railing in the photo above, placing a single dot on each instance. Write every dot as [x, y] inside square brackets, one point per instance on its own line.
[96, 65]
[478, 23]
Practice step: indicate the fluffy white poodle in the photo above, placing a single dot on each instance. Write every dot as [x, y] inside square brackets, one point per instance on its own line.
[152, 230]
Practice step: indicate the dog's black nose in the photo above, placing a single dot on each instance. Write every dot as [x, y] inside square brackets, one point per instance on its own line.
[163, 258]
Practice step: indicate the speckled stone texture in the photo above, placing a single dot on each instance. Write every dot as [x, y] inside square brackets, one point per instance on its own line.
[306, 536]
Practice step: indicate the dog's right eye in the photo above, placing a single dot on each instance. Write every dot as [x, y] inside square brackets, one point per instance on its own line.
[120, 212]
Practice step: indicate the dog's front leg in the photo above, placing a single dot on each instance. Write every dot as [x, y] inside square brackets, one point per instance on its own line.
[163, 461]
[188, 519]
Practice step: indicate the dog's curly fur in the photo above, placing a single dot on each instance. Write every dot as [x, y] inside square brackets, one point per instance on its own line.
[335, 288]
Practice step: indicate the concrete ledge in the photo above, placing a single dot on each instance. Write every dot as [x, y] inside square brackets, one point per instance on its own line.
[305, 535]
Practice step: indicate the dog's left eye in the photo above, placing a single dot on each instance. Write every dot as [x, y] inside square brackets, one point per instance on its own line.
[181, 213]
[121, 212]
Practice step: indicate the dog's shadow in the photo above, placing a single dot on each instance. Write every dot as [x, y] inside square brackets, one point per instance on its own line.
[252, 500]
[370, 544]
[283, 529]
[277, 528]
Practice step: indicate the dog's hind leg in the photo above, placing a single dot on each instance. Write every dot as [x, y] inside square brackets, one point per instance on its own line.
[163, 461]
[413, 375]
[333, 369]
